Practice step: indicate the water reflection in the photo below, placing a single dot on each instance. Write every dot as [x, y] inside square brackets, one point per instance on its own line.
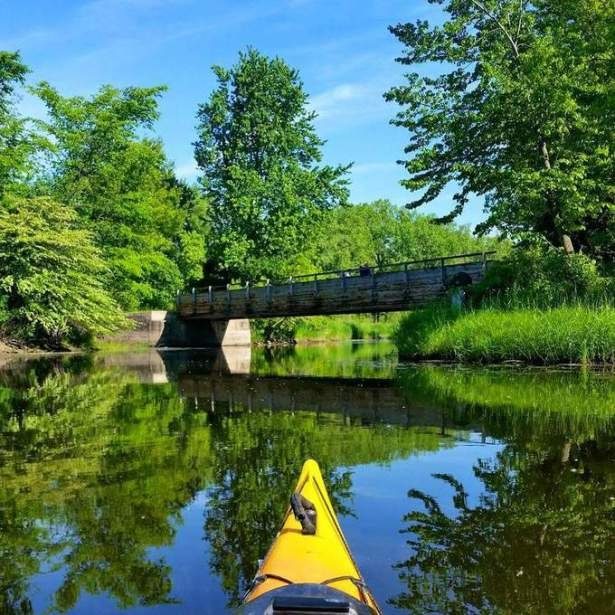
[157, 481]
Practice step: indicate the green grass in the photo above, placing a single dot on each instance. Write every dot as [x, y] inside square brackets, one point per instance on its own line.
[568, 334]
[325, 328]
[339, 328]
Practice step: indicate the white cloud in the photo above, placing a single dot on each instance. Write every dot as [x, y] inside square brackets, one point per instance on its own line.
[368, 168]
[187, 170]
[349, 102]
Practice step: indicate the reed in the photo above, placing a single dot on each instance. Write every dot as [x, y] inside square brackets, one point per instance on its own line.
[567, 334]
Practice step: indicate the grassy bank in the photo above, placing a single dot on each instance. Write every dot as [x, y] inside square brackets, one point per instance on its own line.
[316, 329]
[568, 334]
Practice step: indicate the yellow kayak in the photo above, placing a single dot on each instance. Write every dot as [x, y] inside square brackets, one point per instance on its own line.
[309, 568]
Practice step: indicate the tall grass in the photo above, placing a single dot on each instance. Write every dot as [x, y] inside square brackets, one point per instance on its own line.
[567, 334]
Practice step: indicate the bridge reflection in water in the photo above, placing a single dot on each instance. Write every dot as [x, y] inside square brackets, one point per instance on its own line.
[223, 376]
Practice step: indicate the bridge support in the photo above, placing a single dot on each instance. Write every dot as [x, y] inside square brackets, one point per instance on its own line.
[165, 329]
[181, 333]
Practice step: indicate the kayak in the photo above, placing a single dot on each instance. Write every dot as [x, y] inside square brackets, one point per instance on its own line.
[309, 567]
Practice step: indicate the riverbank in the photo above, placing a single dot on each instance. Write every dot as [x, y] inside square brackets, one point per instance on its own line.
[568, 334]
[324, 329]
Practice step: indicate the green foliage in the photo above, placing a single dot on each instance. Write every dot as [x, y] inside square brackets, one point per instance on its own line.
[324, 328]
[349, 360]
[260, 154]
[380, 233]
[539, 278]
[148, 225]
[51, 274]
[576, 334]
[17, 143]
[522, 115]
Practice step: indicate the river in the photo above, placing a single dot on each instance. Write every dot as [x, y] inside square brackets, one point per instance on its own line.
[153, 482]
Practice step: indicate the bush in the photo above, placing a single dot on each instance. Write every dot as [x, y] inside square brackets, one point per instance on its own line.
[539, 278]
[50, 276]
[324, 328]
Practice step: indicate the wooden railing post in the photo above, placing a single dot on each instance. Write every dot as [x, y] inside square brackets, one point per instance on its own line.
[228, 296]
[290, 286]
[248, 291]
[407, 275]
[315, 283]
[193, 300]
[374, 290]
[268, 291]
[443, 268]
[210, 294]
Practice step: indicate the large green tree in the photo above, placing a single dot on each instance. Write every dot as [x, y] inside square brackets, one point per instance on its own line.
[521, 113]
[260, 160]
[148, 225]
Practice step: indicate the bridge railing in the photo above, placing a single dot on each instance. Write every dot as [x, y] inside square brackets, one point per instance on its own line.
[424, 263]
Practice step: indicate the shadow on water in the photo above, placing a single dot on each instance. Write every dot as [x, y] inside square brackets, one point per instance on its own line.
[107, 462]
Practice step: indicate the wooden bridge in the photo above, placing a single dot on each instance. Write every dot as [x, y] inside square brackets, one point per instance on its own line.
[217, 316]
[367, 290]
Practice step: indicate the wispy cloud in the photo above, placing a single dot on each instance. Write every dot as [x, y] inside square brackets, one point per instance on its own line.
[349, 103]
[368, 168]
[187, 170]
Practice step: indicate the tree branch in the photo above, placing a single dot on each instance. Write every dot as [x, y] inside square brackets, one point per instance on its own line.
[481, 7]
[522, 4]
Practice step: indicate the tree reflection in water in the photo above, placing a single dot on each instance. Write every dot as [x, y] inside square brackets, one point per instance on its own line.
[97, 468]
[541, 538]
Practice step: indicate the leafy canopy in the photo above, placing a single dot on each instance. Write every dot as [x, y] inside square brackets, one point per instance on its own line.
[521, 113]
[51, 273]
[381, 233]
[147, 224]
[259, 154]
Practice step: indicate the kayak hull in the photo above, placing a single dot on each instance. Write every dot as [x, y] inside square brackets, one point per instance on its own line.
[312, 557]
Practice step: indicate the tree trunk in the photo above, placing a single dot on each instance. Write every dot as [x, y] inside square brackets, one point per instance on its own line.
[565, 239]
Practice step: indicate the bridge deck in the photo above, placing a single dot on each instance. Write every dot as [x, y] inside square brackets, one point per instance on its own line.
[410, 285]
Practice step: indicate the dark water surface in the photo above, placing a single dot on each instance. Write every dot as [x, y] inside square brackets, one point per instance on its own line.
[153, 483]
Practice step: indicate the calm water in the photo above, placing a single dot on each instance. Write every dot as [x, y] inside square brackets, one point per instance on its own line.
[153, 483]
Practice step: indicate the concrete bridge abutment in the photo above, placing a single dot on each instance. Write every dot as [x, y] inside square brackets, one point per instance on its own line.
[185, 333]
[164, 329]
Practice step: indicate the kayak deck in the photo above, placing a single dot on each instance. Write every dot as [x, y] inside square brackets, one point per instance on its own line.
[311, 555]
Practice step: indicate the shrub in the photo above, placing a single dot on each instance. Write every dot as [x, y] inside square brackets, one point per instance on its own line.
[50, 275]
[542, 278]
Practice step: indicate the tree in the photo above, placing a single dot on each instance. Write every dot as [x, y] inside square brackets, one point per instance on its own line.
[259, 154]
[16, 143]
[380, 233]
[51, 274]
[521, 117]
[145, 222]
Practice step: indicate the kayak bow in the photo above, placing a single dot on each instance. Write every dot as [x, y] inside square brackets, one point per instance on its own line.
[309, 567]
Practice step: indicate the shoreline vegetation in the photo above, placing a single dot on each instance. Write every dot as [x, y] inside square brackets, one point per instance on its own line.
[559, 335]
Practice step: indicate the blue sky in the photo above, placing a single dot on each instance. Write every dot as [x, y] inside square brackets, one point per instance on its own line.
[342, 49]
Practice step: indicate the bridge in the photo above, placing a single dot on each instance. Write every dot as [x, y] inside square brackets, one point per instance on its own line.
[218, 316]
